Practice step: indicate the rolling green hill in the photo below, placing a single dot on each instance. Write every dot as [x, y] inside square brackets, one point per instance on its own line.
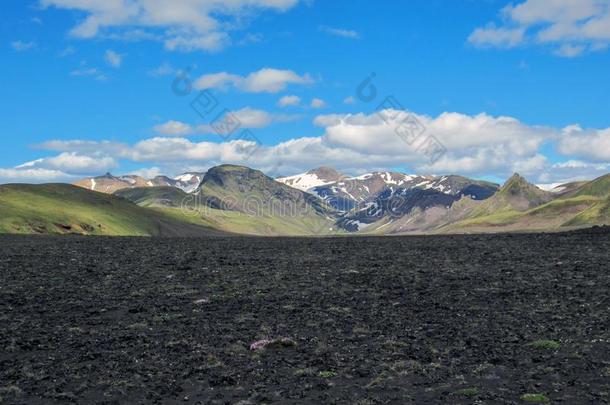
[67, 209]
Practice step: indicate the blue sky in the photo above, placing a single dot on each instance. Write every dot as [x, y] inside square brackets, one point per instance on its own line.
[501, 86]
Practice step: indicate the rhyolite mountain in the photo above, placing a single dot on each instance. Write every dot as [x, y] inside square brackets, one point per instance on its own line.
[238, 199]
[109, 184]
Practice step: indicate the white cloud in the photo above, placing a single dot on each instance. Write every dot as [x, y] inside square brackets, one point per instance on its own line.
[570, 51]
[85, 147]
[289, 100]
[497, 37]
[212, 42]
[248, 118]
[89, 72]
[148, 172]
[572, 170]
[113, 59]
[21, 46]
[590, 144]
[477, 145]
[35, 175]
[72, 163]
[339, 32]
[252, 118]
[184, 25]
[266, 80]
[571, 26]
[317, 103]
[174, 128]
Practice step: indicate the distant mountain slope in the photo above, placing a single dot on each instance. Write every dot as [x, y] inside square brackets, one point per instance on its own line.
[154, 196]
[67, 209]
[599, 187]
[237, 199]
[278, 208]
[516, 194]
[349, 193]
[109, 184]
[519, 206]
[187, 182]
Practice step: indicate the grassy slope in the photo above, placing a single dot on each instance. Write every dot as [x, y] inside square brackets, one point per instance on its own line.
[239, 222]
[169, 201]
[65, 209]
[154, 196]
[262, 206]
[579, 211]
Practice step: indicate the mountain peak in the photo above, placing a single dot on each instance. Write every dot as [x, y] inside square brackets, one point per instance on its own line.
[518, 185]
[326, 173]
[518, 194]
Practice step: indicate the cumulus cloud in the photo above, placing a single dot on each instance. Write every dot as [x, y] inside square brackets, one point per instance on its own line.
[72, 163]
[572, 27]
[184, 25]
[266, 80]
[84, 147]
[289, 100]
[113, 59]
[590, 144]
[174, 128]
[475, 145]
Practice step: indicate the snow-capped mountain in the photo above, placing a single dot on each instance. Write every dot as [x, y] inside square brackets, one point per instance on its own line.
[313, 178]
[348, 193]
[187, 182]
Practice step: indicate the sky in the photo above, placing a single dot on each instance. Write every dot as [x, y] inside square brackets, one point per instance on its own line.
[481, 88]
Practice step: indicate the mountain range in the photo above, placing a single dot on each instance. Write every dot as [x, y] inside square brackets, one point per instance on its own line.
[231, 199]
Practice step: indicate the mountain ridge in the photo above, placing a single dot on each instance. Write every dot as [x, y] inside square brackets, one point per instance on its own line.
[241, 200]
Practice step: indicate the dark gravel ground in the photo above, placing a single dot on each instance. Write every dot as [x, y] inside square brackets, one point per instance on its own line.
[396, 320]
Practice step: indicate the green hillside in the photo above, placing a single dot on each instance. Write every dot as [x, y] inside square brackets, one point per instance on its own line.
[154, 196]
[599, 187]
[583, 208]
[67, 209]
[239, 200]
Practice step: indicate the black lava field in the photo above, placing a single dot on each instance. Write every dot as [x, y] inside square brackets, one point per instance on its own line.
[504, 319]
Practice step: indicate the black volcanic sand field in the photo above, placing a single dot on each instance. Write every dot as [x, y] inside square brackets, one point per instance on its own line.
[422, 320]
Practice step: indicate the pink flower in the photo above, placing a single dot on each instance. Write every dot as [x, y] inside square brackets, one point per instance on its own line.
[280, 342]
